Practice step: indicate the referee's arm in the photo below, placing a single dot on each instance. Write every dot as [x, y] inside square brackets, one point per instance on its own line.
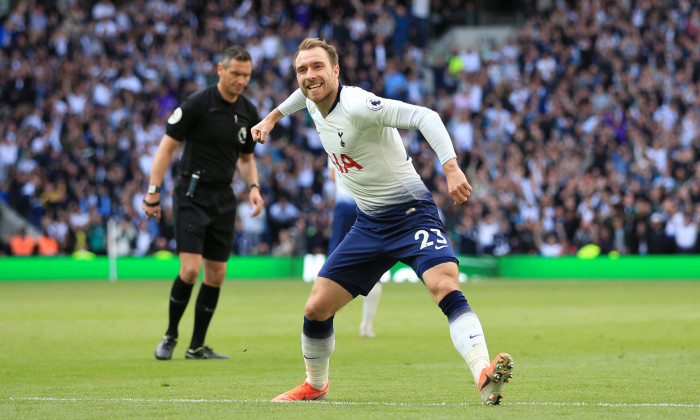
[249, 173]
[161, 160]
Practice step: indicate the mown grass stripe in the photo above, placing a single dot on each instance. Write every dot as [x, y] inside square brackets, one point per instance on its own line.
[200, 400]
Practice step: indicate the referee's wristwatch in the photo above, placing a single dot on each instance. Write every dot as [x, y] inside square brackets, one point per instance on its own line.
[251, 186]
[153, 188]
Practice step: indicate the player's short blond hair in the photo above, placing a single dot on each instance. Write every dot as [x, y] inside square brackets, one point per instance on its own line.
[310, 43]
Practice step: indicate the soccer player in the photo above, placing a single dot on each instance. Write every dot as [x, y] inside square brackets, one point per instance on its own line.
[344, 216]
[397, 218]
[215, 125]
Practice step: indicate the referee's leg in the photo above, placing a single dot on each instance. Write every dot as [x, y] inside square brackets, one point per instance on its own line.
[208, 298]
[180, 294]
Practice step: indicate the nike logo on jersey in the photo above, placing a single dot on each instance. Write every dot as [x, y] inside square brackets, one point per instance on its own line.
[342, 143]
[440, 247]
[475, 335]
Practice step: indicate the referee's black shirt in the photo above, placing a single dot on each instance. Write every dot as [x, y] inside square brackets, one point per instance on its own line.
[215, 133]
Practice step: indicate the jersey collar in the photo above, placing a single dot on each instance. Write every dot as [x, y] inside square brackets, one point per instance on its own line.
[337, 98]
[221, 98]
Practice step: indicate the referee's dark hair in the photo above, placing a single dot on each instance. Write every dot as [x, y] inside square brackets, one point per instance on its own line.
[236, 52]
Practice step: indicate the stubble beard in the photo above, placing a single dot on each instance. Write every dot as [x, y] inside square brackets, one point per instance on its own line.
[309, 94]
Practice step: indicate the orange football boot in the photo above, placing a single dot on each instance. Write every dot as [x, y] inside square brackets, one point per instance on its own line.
[493, 377]
[303, 392]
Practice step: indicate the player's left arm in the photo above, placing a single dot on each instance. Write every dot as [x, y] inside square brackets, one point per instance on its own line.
[249, 173]
[382, 112]
[407, 116]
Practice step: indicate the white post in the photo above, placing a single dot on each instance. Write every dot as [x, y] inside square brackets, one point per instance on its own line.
[112, 248]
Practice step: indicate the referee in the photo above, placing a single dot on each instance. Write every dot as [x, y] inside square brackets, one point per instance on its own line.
[215, 125]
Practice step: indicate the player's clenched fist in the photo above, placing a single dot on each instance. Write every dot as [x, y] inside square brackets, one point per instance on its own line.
[457, 184]
[261, 130]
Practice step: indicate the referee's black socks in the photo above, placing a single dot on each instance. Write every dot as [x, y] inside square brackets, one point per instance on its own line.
[203, 311]
[179, 297]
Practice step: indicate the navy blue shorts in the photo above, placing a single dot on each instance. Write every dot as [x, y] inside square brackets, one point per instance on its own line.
[411, 233]
[344, 216]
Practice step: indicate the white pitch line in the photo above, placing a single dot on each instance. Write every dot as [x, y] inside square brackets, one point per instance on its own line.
[187, 400]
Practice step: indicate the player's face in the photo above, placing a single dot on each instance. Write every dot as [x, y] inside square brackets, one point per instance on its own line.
[317, 78]
[234, 78]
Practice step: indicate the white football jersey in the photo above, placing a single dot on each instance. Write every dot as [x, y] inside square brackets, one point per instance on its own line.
[342, 194]
[361, 138]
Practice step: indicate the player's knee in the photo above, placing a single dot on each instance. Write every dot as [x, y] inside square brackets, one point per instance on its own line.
[315, 312]
[442, 280]
[441, 288]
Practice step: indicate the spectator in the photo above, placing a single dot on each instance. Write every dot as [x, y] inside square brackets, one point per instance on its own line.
[551, 246]
[253, 230]
[282, 215]
[125, 234]
[468, 235]
[686, 234]
[286, 245]
[143, 240]
[395, 82]
[97, 234]
[420, 16]
[46, 245]
[488, 228]
[658, 244]
[639, 238]
[22, 244]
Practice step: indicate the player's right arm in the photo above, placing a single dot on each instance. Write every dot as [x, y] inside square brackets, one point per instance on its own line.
[262, 129]
[293, 103]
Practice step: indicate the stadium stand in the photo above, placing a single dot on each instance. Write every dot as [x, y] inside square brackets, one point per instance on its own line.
[581, 128]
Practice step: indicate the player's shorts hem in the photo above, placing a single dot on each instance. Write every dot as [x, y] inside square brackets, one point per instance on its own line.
[351, 288]
[427, 265]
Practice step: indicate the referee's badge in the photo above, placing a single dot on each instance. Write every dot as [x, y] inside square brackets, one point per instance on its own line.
[175, 118]
[242, 135]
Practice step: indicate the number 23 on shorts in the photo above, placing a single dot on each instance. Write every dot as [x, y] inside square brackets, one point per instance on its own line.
[424, 236]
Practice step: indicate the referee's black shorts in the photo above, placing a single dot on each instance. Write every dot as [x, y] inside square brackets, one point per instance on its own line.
[204, 224]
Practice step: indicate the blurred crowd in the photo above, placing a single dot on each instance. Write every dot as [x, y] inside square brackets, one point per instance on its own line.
[582, 128]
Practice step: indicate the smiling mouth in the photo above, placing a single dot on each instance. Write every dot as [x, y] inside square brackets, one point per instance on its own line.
[314, 86]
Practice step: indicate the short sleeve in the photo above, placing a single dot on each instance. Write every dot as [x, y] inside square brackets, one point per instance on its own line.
[181, 120]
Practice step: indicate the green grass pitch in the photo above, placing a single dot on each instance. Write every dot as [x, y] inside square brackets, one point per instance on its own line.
[594, 350]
